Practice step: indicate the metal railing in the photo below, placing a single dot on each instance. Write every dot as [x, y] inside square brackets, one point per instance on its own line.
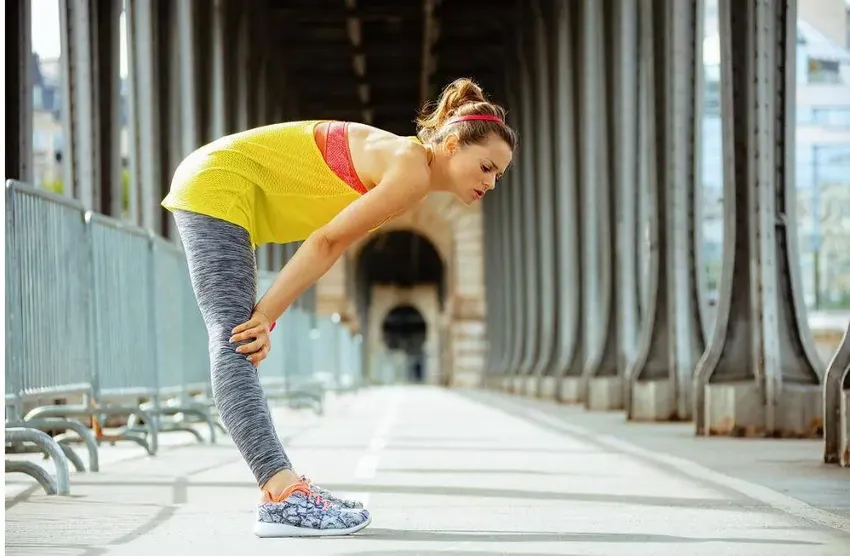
[310, 355]
[101, 315]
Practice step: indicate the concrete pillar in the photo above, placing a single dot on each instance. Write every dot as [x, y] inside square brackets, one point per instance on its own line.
[760, 374]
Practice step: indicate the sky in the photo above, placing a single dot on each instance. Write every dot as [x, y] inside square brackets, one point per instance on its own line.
[46, 36]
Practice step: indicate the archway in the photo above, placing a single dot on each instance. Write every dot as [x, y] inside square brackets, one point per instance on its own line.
[405, 330]
[400, 292]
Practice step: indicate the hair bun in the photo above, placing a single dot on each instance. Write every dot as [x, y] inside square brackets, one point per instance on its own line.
[461, 92]
[462, 97]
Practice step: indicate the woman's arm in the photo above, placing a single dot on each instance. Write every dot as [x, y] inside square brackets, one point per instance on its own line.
[404, 184]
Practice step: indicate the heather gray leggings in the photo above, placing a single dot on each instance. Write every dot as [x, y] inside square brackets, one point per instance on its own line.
[224, 278]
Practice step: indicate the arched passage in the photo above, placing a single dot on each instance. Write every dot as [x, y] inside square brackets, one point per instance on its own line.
[404, 329]
[400, 290]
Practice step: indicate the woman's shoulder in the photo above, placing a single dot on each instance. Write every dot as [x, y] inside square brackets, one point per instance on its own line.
[377, 151]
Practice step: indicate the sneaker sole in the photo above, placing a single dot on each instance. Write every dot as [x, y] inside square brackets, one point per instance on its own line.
[271, 530]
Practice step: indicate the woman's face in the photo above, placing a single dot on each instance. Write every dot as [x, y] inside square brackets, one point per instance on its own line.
[474, 169]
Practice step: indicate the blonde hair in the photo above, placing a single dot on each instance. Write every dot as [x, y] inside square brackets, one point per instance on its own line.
[463, 97]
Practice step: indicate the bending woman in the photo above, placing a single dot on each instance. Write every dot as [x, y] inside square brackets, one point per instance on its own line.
[328, 183]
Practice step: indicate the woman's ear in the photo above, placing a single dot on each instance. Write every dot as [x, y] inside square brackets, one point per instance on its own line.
[451, 144]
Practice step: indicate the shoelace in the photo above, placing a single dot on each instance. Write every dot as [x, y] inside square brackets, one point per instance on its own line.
[318, 500]
[312, 495]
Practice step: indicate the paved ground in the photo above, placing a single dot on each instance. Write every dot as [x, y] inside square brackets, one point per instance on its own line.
[470, 473]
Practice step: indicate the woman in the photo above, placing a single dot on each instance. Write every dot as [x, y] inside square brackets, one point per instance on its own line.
[329, 184]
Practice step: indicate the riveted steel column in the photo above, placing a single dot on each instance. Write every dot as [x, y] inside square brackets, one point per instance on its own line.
[144, 108]
[590, 114]
[489, 332]
[671, 334]
[518, 252]
[19, 84]
[509, 270]
[204, 66]
[508, 233]
[601, 385]
[496, 285]
[760, 375]
[531, 303]
[243, 66]
[219, 69]
[491, 283]
[570, 350]
[263, 257]
[624, 147]
[171, 93]
[544, 189]
[836, 391]
[501, 267]
[109, 194]
[79, 112]
[187, 66]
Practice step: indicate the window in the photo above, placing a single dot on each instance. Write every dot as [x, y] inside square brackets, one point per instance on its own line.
[832, 117]
[823, 71]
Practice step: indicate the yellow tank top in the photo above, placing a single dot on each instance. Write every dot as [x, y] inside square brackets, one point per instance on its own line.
[272, 180]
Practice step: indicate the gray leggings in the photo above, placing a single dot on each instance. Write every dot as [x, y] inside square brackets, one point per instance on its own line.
[224, 277]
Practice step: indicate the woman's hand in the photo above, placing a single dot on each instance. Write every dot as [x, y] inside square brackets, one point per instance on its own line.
[256, 329]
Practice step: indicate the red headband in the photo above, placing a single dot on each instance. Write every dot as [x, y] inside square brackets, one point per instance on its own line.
[475, 117]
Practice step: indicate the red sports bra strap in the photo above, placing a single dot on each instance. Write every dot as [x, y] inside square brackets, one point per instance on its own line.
[332, 139]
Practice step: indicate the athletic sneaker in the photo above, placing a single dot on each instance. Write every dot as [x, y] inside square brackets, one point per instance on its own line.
[334, 499]
[300, 512]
